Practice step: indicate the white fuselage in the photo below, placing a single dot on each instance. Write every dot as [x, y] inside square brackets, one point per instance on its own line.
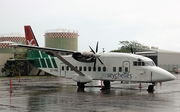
[117, 67]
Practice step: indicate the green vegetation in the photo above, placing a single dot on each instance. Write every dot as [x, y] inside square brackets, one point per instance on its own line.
[128, 46]
[13, 67]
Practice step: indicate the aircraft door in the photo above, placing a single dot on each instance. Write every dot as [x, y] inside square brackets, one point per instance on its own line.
[126, 66]
[63, 69]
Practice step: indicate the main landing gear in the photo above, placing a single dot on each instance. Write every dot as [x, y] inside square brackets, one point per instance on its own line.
[80, 86]
[107, 85]
[151, 88]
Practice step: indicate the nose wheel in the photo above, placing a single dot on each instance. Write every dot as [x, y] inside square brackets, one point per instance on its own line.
[151, 88]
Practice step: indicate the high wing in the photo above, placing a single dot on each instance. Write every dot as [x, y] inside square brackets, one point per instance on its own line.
[46, 49]
[54, 51]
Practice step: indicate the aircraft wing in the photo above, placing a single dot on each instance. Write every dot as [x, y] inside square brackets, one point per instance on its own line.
[46, 49]
[52, 50]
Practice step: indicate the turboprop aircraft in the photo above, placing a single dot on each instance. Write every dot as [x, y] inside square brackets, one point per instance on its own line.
[83, 67]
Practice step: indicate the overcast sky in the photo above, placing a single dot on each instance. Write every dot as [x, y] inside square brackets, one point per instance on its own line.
[149, 22]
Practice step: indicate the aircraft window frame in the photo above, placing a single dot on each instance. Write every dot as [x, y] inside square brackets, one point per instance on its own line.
[135, 63]
[104, 69]
[80, 68]
[126, 69]
[114, 69]
[84, 68]
[143, 63]
[89, 68]
[94, 69]
[99, 69]
[120, 69]
[139, 63]
[67, 68]
[62, 68]
[150, 63]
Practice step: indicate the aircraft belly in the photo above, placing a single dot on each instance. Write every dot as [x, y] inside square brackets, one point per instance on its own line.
[52, 71]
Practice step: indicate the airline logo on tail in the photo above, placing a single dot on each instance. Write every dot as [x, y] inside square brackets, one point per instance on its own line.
[30, 42]
[30, 38]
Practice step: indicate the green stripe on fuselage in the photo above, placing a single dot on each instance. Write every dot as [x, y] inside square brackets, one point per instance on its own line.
[43, 62]
[36, 63]
[54, 62]
[48, 62]
[41, 58]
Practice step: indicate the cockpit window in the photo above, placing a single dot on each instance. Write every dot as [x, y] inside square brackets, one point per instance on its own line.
[142, 63]
[139, 63]
[150, 63]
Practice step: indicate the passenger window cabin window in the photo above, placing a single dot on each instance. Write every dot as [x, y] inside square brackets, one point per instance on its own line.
[89, 68]
[80, 68]
[104, 69]
[67, 68]
[94, 68]
[120, 69]
[62, 68]
[84, 68]
[99, 69]
[114, 69]
[126, 69]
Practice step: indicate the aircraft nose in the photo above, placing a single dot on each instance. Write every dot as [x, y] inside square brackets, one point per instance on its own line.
[172, 77]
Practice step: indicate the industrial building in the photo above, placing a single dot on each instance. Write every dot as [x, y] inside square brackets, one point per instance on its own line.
[165, 59]
[62, 39]
[7, 52]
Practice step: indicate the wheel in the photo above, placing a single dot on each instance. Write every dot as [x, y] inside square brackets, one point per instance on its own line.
[150, 88]
[80, 85]
[107, 84]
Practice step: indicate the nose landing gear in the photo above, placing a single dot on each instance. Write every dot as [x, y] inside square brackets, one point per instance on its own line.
[151, 88]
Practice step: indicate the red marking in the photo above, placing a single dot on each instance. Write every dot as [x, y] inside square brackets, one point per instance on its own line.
[10, 85]
[30, 38]
[19, 77]
[101, 83]
[140, 85]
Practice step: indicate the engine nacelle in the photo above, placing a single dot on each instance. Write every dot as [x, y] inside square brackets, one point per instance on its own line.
[82, 79]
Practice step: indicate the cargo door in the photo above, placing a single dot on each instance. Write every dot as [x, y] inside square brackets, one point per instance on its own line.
[63, 69]
[126, 66]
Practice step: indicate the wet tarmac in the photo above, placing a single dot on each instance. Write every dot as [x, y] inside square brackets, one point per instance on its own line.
[52, 94]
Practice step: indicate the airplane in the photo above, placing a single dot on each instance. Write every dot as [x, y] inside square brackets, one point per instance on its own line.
[84, 67]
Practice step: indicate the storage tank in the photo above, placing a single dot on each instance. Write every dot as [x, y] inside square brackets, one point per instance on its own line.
[7, 39]
[62, 39]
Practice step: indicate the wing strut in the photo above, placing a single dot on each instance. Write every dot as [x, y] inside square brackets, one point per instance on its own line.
[67, 63]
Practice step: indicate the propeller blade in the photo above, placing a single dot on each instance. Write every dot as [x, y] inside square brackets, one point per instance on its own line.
[92, 50]
[95, 55]
[101, 61]
[95, 63]
[97, 47]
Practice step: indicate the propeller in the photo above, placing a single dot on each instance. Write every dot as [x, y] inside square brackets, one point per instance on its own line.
[96, 56]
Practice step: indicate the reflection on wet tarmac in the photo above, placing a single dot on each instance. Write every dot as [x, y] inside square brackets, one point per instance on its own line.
[60, 95]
